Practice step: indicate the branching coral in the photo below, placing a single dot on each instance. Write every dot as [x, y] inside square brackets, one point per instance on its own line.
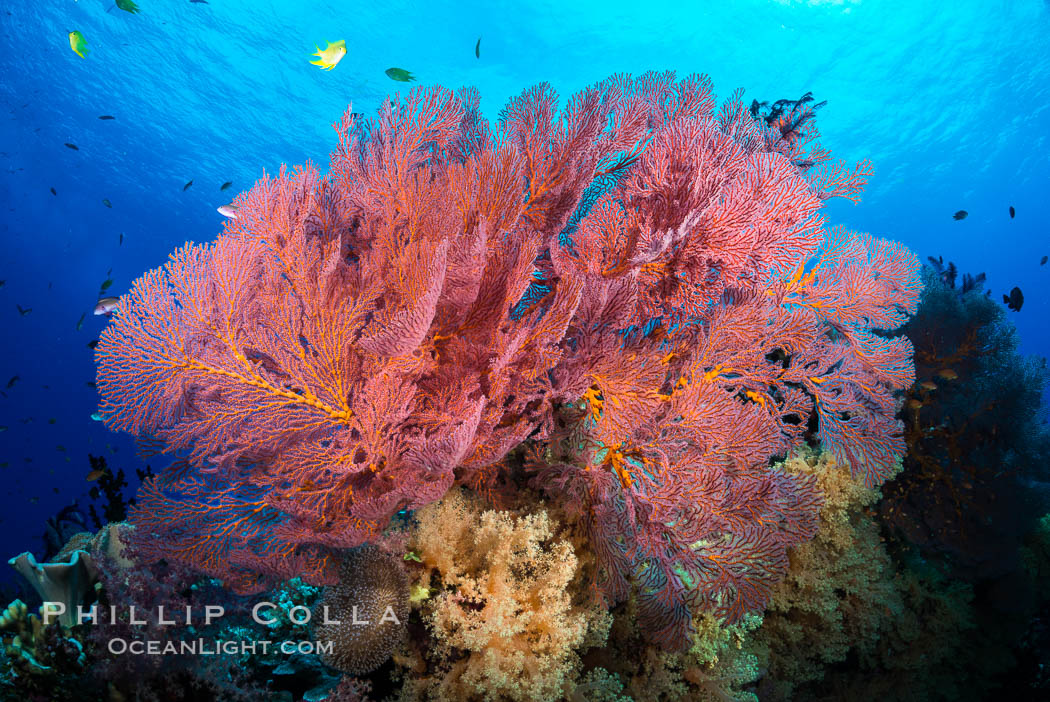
[40, 659]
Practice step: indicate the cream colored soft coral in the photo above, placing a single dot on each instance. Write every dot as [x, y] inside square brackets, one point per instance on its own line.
[505, 620]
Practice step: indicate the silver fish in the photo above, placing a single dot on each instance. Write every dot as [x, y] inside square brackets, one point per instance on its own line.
[229, 211]
[106, 305]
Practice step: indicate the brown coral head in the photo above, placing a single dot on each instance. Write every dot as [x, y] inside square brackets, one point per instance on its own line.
[366, 612]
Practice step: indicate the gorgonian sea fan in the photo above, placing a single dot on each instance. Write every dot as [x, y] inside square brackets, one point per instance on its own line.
[641, 288]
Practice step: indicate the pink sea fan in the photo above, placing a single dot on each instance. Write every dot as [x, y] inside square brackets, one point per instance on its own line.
[641, 288]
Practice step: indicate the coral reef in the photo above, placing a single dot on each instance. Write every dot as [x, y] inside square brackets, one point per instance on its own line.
[978, 447]
[363, 616]
[718, 666]
[641, 289]
[508, 612]
[503, 608]
[839, 585]
[39, 658]
[851, 621]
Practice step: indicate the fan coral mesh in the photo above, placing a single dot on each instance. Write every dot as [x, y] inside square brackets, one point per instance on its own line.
[640, 288]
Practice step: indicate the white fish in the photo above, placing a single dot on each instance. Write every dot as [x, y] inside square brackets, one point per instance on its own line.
[229, 211]
[106, 305]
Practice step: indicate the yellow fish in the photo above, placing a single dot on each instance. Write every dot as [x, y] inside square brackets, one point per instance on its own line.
[78, 44]
[328, 57]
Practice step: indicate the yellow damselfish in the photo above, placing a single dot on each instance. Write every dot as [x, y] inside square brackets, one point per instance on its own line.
[78, 44]
[328, 57]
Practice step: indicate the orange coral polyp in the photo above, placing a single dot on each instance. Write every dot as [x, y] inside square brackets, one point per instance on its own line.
[593, 398]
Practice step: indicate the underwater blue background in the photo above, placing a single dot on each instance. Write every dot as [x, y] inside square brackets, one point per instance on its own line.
[949, 101]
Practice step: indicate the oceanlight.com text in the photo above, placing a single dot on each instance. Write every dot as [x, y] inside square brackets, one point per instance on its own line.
[214, 647]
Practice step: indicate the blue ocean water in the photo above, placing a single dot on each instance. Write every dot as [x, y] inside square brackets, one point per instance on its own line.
[948, 101]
